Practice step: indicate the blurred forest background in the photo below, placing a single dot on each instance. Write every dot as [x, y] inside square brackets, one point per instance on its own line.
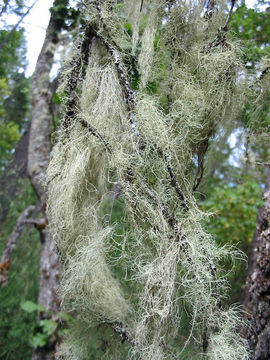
[235, 176]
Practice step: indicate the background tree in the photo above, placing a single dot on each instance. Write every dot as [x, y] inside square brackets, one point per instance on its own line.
[36, 151]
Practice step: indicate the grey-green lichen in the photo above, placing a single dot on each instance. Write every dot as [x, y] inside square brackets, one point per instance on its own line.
[169, 258]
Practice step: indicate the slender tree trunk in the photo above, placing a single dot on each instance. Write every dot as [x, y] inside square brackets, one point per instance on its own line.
[16, 169]
[38, 159]
[257, 290]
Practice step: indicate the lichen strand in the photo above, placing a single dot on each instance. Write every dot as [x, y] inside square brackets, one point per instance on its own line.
[146, 145]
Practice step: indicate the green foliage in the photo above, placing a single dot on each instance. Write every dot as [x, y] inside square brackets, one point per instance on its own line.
[43, 333]
[234, 222]
[9, 135]
[57, 99]
[14, 93]
[30, 306]
[17, 104]
[4, 92]
[47, 327]
[16, 325]
[252, 26]
[12, 55]
[64, 15]
[13, 7]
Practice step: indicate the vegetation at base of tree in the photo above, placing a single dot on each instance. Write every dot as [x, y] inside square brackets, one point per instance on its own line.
[15, 324]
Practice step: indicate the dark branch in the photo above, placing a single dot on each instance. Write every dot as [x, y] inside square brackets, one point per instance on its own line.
[201, 156]
[121, 330]
[79, 61]
[264, 72]
[225, 27]
[95, 132]
[176, 185]
[141, 7]
[220, 39]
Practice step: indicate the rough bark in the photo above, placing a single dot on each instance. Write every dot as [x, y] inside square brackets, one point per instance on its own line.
[257, 291]
[38, 159]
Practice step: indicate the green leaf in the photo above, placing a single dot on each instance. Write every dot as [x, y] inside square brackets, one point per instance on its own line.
[48, 326]
[62, 332]
[30, 307]
[39, 340]
[57, 99]
[64, 316]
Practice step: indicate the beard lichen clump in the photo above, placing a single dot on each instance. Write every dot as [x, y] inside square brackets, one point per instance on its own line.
[157, 83]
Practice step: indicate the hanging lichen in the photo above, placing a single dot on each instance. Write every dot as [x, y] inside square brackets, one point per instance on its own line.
[147, 142]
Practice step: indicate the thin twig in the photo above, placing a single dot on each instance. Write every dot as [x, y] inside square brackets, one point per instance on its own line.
[6, 256]
[120, 329]
[201, 157]
[220, 39]
[225, 27]
[263, 163]
[96, 133]
[5, 40]
[264, 72]
[175, 183]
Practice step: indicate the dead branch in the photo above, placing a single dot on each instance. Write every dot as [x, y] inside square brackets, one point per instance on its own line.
[264, 72]
[120, 329]
[5, 40]
[220, 39]
[6, 256]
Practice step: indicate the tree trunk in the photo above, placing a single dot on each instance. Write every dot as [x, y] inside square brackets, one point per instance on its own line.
[38, 159]
[257, 290]
[15, 170]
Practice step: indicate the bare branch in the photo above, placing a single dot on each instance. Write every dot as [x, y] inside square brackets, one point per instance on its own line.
[202, 149]
[6, 256]
[220, 39]
[263, 163]
[120, 329]
[264, 72]
[4, 7]
[225, 27]
[95, 132]
[5, 40]
[175, 183]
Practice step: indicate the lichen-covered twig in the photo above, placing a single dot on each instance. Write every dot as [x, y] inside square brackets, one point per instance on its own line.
[166, 251]
[77, 63]
[121, 330]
